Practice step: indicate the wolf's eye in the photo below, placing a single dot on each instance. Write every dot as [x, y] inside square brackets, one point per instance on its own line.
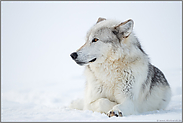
[95, 40]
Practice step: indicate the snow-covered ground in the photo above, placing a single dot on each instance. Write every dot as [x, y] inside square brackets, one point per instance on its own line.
[48, 102]
[39, 79]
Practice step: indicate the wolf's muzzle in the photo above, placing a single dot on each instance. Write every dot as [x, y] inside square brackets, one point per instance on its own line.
[74, 55]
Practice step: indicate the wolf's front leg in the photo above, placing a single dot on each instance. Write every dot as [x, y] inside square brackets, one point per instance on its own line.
[102, 105]
[123, 109]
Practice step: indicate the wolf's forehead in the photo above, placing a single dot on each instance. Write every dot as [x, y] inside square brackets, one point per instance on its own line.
[102, 26]
[106, 23]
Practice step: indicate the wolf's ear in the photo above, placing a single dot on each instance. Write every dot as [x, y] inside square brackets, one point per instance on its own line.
[124, 28]
[100, 19]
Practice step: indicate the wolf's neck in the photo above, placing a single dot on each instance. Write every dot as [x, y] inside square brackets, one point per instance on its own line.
[109, 71]
[111, 65]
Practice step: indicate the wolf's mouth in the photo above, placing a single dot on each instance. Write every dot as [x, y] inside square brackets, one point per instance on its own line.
[93, 60]
[82, 63]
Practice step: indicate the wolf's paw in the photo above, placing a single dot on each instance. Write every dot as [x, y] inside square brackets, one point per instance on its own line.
[114, 113]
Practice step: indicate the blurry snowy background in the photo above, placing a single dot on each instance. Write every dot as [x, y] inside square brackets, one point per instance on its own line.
[38, 77]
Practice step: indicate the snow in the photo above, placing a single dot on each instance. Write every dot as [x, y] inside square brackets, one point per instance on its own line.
[50, 103]
[39, 79]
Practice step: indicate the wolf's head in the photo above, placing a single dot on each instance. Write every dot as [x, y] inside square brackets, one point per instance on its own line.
[105, 40]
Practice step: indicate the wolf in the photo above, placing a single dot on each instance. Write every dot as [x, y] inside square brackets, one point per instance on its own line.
[120, 80]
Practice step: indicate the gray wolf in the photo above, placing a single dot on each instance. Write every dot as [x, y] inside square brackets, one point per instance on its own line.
[120, 80]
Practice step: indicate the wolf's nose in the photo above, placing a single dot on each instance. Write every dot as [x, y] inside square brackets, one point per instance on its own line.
[74, 55]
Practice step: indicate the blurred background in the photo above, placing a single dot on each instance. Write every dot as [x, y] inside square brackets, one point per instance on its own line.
[38, 37]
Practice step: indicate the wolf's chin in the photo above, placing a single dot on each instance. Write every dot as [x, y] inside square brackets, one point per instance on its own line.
[81, 63]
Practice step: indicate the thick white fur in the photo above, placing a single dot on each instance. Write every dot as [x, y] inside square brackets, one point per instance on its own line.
[106, 89]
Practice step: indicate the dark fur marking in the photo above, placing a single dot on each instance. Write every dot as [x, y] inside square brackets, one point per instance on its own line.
[128, 85]
[118, 38]
[154, 78]
[157, 78]
[115, 32]
[141, 49]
